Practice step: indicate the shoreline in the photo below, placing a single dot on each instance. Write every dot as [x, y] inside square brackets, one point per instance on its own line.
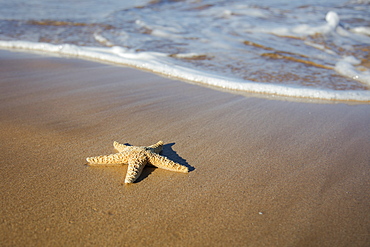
[147, 62]
[265, 172]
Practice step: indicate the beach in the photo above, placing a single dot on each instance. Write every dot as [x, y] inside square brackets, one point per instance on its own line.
[263, 172]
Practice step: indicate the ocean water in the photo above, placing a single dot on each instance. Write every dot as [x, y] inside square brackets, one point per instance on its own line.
[311, 49]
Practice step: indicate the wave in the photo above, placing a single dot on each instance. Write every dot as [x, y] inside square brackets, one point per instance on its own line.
[159, 63]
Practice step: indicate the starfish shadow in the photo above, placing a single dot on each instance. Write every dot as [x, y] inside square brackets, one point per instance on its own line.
[170, 154]
[145, 173]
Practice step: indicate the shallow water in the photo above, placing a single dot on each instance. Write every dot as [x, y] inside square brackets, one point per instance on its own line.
[315, 50]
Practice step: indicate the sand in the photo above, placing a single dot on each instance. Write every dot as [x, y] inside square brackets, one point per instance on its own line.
[264, 172]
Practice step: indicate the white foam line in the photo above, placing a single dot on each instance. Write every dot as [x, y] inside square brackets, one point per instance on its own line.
[149, 61]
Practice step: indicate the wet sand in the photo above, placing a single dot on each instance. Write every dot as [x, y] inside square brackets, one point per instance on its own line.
[263, 172]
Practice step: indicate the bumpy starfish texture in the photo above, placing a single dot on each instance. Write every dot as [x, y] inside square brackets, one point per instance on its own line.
[136, 158]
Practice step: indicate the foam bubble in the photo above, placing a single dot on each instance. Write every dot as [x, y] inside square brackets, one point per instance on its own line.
[332, 18]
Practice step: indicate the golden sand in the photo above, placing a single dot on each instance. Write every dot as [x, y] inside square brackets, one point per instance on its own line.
[266, 172]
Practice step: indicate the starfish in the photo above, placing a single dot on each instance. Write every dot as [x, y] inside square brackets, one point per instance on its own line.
[136, 157]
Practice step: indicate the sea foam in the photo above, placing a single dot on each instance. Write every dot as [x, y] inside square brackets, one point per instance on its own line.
[151, 61]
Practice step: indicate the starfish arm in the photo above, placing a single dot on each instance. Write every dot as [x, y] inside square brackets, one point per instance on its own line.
[167, 164]
[111, 159]
[135, 167]
[156, 148]
[119, 147]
